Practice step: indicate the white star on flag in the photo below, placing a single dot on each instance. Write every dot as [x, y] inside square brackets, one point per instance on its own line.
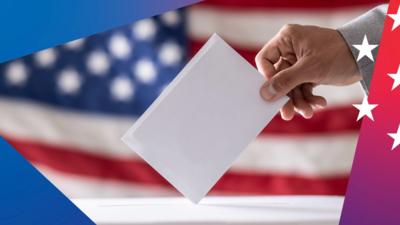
[396, 138]
[365, 49]
[365, 109]
[396, 19]
[396, 78]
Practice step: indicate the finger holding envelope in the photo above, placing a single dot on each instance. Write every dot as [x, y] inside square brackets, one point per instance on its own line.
[302, 100]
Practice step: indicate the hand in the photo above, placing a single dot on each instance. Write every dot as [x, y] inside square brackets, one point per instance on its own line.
[300, 57]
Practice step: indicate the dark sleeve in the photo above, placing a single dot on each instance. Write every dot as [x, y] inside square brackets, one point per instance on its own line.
[370, 24]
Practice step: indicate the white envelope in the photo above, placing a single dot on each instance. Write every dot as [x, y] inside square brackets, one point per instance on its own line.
[203, 120]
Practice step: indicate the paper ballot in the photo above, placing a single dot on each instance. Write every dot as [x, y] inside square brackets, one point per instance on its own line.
[203, 120]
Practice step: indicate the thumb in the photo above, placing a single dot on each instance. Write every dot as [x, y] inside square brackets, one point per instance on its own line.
[284, 81]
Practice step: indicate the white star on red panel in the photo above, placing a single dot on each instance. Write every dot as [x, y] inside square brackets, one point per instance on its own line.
[396, 138]
[365, 109]
[396, 19]
[396, 78]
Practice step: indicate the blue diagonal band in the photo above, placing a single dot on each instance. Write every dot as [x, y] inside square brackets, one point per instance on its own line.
[28, 26]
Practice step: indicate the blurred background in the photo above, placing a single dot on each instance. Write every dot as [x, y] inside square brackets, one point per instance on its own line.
[66, 108]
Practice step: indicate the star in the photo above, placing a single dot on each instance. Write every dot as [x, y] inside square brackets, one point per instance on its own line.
[119, 46]
[365, 109]
[396, 19]
[396, 78]
[145, 30]
[170, 54]
[69, 81]
[46, 58]
[98, 63]
[122, 88]
[16, 73]
[145, 71]
[171, 18]
[365, 49]
[75, 45]
[396, 138]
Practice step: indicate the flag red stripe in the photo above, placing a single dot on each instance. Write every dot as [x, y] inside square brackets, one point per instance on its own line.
[332, 120]
[290, 4]
[75, 161]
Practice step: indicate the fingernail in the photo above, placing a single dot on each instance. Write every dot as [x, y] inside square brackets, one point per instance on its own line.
[305, 115]
[316, 106]
[268, 92]
[302, 113]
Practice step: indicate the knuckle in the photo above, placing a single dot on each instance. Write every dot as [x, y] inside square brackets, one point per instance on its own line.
[279, 84]
[258, 57]
[290, 29]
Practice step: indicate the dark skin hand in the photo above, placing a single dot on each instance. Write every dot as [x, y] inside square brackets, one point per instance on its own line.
[300, 57]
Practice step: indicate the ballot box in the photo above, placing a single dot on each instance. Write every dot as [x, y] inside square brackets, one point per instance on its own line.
[268, 210]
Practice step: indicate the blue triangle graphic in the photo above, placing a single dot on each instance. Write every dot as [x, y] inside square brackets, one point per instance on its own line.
[28, 198]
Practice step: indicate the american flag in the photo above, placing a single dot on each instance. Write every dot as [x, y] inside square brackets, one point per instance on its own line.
[66, 108]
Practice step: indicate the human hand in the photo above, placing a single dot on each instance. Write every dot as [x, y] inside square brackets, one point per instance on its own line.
[299, 58]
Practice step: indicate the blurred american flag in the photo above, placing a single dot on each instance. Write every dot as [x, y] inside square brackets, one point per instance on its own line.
[66, 108]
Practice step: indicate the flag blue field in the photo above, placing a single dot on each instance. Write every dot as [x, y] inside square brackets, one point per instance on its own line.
[119, 72]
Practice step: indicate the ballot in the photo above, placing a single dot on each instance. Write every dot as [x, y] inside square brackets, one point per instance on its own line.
[260, 210]
[203, 120]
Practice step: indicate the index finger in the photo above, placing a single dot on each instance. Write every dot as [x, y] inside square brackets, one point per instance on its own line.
[267, 57]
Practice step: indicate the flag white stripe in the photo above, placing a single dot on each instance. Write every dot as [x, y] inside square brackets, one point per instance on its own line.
[92, 133]
[341, 95]
[256, 27]
[305, 156]
[74, 186]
